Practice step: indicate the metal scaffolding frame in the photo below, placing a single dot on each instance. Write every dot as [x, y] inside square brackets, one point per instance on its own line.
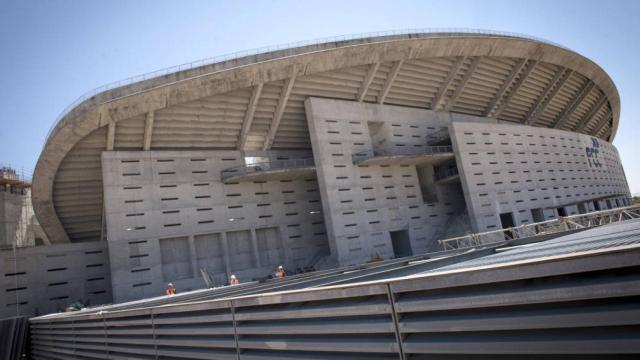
[558, 225]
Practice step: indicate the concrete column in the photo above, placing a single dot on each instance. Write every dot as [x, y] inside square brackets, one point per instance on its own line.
[254, 245]
[148, 130]
[283, 242]
[225, 248]
[111, 136]
[194, 260]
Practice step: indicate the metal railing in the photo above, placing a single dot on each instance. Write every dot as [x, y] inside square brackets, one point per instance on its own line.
[562, 224]
[267, 166]
[446, 173]
[402, 150]
[264, 52]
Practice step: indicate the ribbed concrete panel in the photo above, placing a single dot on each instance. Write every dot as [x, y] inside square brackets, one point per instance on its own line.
[263, 116]
[378, 82]
[211, 123]
[130, 134]
[77, 192]
[561, 101]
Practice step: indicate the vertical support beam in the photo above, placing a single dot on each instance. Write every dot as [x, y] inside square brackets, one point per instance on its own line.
[394, 318]
[225, 248]
[463, 83]
[525, 74]
[102, 219]
[371, 74]
[395, 69]
[111, 135]
[564, 115]
[254, 245]
[148, 130]
[152, 315]
[602, 101]
[232, 309]
[248, 117]
[435, 104]
[549, 92]
[285, 246]
[193, 254]
[277, 116]
[508, 81]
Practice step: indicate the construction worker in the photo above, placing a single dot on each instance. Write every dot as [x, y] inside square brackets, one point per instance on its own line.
[233, 280]
[280, 272]
[171, 290]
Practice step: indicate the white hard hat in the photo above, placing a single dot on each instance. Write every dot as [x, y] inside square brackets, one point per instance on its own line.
[233, 276]
[170, 284]
[280, 267]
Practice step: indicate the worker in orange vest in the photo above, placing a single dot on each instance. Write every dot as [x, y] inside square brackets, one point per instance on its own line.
[280, 272]
[170, 289]
[233, 280]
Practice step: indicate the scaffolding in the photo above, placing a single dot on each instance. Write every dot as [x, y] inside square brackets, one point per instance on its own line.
[558, 225]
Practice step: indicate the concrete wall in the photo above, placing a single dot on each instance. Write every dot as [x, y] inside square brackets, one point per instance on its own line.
[514, 168]
[169, 215]
[362, 204]
[18, 224]
[44, 279]
[10, 212]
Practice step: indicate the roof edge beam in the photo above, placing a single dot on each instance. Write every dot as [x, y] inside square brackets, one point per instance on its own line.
[508, 81]
[562, 118]
[602, 101]
[549, 92]
[531, 64]
[447, 82]
[282, 105]
[605, 119]
[395, 69]
[371, 74]
[463, 83]
[603, 122]
[248, 117]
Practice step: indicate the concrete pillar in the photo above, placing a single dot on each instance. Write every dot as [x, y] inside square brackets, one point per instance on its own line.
[284, 247]
[111, 136]
[194, 260]
[225, 248]
[254, 245]
[148, 130]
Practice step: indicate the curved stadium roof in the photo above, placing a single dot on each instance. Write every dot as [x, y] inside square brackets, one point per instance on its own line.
[256, 102]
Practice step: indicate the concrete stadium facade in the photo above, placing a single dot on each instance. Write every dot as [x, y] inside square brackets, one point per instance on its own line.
[328, 154]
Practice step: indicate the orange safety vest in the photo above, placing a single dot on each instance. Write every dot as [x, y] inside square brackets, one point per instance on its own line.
[280, 274]
[171, 291]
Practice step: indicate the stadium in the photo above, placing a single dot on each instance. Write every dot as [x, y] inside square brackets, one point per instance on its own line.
[324, 154]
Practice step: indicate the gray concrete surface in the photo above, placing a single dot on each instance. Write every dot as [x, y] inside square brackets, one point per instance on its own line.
[46, 279]
[169, 215]
[229, 87]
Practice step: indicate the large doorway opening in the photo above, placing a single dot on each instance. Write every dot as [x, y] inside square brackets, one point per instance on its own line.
[562, 212]
[582, 209]
[596, 205]
[401, 243]
[507, 221]
[538, 215]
